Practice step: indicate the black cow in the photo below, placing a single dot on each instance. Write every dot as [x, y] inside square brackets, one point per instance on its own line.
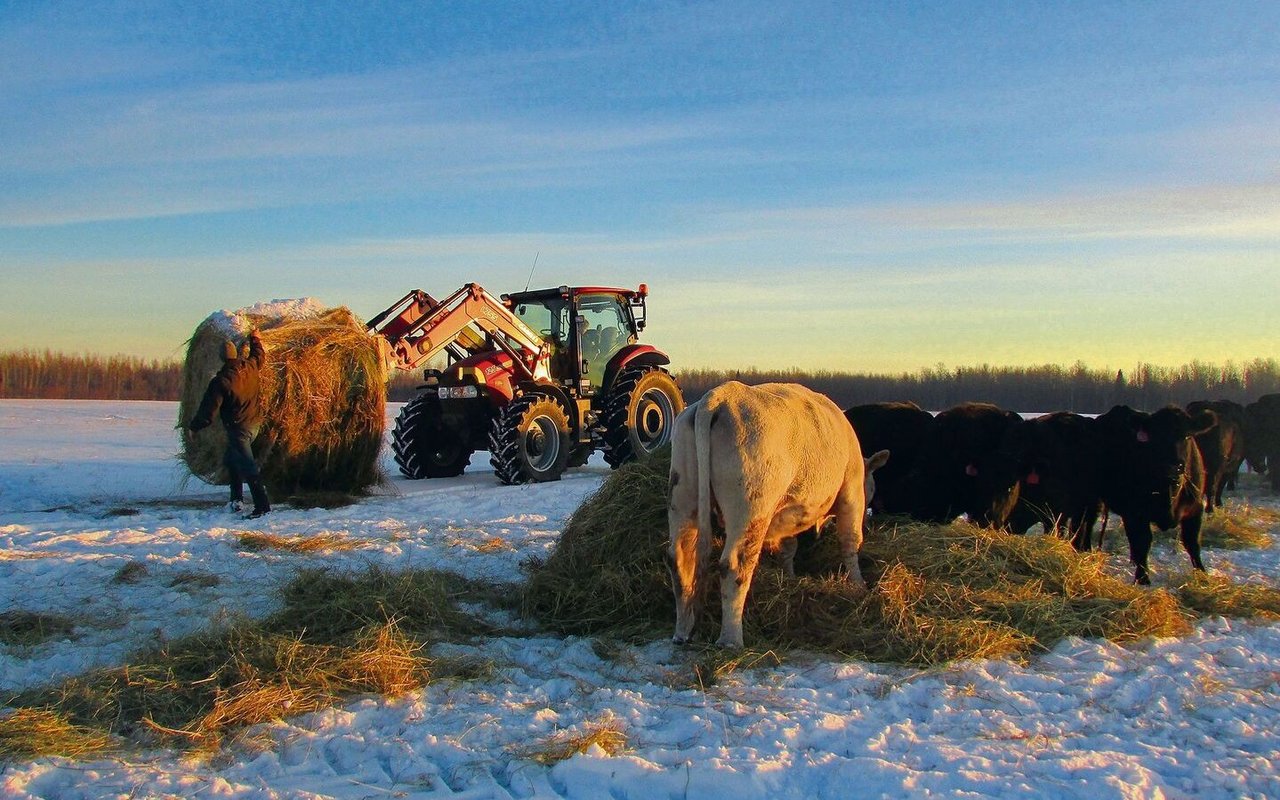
[1152, 474]
[961, 469]
[1056, 460]
[899, 428]
[1262, 437]
[1221, 447]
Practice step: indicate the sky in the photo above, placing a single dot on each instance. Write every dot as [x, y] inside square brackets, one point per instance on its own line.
[829, 186]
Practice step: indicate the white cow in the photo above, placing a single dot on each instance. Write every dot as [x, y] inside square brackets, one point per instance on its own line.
[774, 460]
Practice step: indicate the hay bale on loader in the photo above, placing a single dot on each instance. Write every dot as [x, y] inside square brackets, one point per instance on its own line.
[938, 592]
[324, 395]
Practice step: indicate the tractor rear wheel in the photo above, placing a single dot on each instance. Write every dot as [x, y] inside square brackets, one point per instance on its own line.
[529, 441]
[639, 413]
[424, 447]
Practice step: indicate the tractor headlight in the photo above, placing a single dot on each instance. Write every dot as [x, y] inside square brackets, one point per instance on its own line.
[457, 392]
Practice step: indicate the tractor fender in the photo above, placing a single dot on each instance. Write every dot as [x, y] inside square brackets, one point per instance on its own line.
[635, 355]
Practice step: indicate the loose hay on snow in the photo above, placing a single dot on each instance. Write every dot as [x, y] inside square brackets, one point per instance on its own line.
[31, 733]
[336, 635]
[324, 395]
[1239, 527]
[938, 593]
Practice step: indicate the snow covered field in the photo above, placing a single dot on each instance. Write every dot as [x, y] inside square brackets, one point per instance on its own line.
[87, 487]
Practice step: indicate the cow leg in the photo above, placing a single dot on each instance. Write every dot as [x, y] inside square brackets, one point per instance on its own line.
[1081, 534]
[1138, 532]
[737, 567]
[850, 508]
[688, 563]
[1219, 483]
[1190, 534]
[1084, 520]
[687, 555]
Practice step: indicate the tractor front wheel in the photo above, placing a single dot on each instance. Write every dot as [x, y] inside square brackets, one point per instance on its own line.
[424, 447]
[639, 413]
[529, 441]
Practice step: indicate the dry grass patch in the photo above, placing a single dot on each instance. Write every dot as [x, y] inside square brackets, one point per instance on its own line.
[194, 580]
[1239, 527]
[1216, 595]
[29, 628]
[938, 593]
[256, 541]
[336, 636]
[27, 733]
[608, 736]
[130, 573]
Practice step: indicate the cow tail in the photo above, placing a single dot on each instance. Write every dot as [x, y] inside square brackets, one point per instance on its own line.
[702, 439]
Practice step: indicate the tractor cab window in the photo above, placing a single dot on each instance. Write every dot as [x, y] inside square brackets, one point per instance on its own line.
[549, 317]
[606, 328]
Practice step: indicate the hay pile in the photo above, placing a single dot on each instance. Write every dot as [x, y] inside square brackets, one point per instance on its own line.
[323, 389]
[938, 593]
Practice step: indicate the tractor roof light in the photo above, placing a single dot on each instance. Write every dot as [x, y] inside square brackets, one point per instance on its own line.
[643, 291]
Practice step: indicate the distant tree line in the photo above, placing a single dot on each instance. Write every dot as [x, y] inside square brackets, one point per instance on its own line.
[49, 376]
[1050, 387]
[1025, 389]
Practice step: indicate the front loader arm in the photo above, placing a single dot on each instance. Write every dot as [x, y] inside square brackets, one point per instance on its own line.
[416, 327]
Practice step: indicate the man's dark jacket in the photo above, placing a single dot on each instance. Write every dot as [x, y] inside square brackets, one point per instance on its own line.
[233, 392]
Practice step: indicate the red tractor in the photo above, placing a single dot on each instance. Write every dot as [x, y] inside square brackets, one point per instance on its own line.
[539, 378]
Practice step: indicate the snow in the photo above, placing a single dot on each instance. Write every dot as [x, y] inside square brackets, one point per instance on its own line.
[87, 487]
[237, 323]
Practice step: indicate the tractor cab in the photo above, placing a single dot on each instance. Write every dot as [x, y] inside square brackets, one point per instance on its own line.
[585, 327]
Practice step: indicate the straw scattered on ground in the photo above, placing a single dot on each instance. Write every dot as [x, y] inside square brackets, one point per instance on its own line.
[335, 636]
[1239, 526]
[937, 593]
[29, 628]
[27, 733]
[608, 736]
[257, 541]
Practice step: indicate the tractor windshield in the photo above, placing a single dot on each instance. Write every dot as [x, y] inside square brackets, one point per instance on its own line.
[549, 316]
[606, 329]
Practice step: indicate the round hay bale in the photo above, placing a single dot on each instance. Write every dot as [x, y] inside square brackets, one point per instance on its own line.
[323, 391]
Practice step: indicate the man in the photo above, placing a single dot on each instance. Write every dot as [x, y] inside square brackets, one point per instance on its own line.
[233, 394]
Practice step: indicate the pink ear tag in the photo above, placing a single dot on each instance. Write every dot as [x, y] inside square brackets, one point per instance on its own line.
[971, 470]
[1143, 436]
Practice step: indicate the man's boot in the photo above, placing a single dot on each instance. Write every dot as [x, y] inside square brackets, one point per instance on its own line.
[237, 497]
[261, 504]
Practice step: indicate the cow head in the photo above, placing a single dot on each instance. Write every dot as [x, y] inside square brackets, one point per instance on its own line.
[1151, 457]
[870, 464]
[969, 472]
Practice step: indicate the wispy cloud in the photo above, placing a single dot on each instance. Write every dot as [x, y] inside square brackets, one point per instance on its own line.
[1213, 212]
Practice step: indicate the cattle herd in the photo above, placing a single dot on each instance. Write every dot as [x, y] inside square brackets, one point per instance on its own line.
[773, 460]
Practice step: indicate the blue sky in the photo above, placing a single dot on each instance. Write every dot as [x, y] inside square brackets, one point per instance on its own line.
[846, 186]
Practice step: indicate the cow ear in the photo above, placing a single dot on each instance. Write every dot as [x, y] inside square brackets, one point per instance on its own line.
[1202, 422]
[877, 460]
